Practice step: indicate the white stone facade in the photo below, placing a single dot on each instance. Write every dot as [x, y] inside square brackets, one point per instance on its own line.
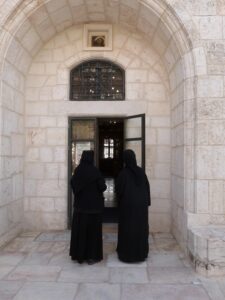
[173, 55]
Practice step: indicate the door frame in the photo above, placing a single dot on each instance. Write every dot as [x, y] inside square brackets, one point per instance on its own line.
[69, 161]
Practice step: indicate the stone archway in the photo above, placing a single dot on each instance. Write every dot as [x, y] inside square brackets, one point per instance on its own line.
[31, 26]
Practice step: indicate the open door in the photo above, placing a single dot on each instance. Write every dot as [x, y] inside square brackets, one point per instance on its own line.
[82, 136]
[134, 137]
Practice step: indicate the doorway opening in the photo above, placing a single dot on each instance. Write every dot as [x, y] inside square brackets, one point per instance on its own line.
[108, 137]
[110, 161]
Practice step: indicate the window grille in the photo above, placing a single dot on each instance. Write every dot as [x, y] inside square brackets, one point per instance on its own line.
[97, 80]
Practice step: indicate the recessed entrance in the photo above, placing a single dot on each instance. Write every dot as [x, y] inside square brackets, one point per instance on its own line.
[108, 137]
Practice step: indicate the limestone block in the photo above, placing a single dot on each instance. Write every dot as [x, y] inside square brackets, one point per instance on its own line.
[189, 84]
[46, 154]
[32, 154]
[216, 131]
[15, 212]
[34, 170]
[56, 136]
[19, 103]
[177, 136]
[60, 154]
[6, 191]
[30, 187]
[8, 166]
[163, 136]
[163, 153]
[210, 27]
[37, 108]
[41, 204]
[5, 145]
[220, 7]
[74, 33]
[162, 171]
[210, 162]
[4, 222]
[45, 55]
[178, 161]
[161, 206]
[169, 58]
[160, 222]
[160, 188]
[47, 122]
[137, 75]
[134, 45]
[200, 61]
[60, 92]
[62, 122]
[8, 96]
[58, 55]
[30, 40]
[45, 221]
[52, 171]
[151, 136]
[17, 144]
[32, 94]
[158, 109]
[203, 133]
[76, 3]
[204, 7]
[60, 204]
[37, 68]
[211, 108]
[134, 91]
[160, 121]
[36, 137]
[51, 188]
[63, 171]
[202, 188]
[206, 246]
[126, 58]
[13, 51]
[32, 121]
[39, 16]
[216, 196]
[52, 6]
[60, 40]
[154, 92]
[211, 86]
[46, 93]
[36, 80]
[177, 190]
[62, 18]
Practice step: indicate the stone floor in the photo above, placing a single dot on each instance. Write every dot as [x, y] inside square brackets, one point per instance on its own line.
[36, 266]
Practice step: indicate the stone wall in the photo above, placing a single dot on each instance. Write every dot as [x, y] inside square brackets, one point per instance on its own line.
[188, 36]
[48, 108]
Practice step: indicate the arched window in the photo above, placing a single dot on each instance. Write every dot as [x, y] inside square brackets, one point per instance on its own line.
[97, 80]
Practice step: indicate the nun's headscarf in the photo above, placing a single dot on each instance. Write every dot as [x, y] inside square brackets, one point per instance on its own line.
[130, 162]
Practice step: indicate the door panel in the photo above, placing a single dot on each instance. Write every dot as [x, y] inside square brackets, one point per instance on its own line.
[134, 136]
[82, 136]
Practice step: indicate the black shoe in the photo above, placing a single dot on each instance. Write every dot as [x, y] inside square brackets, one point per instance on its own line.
[92, 261]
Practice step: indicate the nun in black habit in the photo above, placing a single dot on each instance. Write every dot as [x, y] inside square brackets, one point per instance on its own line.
[133, 192]
[86, 232]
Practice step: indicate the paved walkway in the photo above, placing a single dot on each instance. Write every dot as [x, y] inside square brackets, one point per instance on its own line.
[36, 266]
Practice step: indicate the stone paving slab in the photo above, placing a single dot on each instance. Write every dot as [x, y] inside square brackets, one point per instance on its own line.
[8, 289]
[103, 291]
[37, 266]
[47, 291]
[163, 292]
[35, 273]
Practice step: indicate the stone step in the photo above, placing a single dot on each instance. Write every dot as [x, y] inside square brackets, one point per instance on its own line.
[206, 245]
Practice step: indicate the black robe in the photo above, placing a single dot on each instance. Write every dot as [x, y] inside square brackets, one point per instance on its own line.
[86, 232]
[133, 192]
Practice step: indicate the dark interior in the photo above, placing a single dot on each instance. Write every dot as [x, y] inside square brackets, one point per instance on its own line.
[110, 161]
